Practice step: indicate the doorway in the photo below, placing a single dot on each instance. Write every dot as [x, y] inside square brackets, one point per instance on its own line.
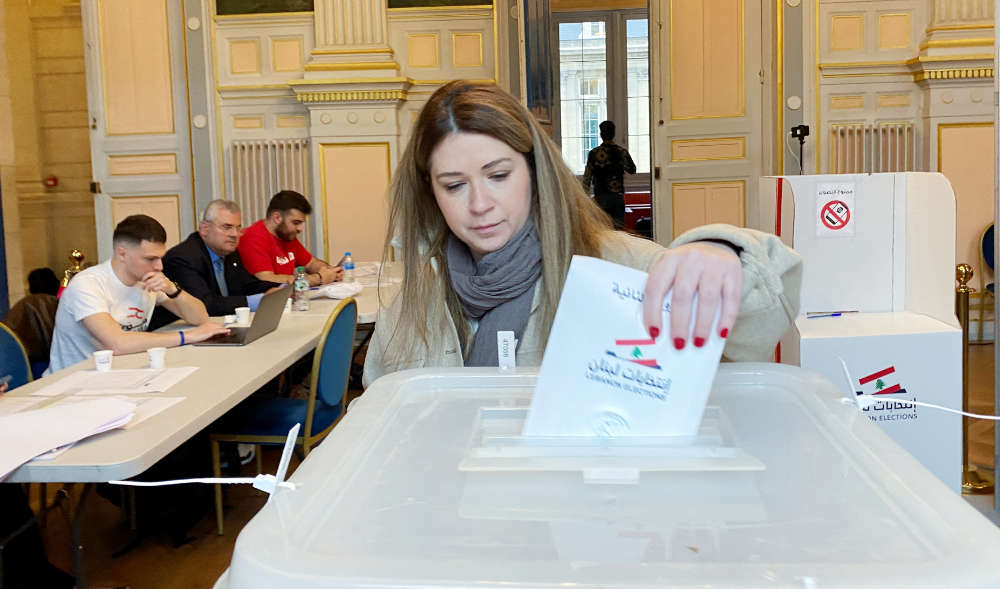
[602, 60]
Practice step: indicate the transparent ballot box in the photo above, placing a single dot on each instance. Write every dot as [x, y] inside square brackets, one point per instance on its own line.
[427, 482]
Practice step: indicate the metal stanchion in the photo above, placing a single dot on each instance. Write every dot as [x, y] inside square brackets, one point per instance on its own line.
[971, 481]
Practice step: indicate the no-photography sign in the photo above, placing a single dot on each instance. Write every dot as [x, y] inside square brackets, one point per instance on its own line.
[835, 210]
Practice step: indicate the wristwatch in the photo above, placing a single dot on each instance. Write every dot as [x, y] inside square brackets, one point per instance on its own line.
[177, 292]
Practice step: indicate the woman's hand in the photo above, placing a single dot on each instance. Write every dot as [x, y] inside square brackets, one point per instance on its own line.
[711, 270]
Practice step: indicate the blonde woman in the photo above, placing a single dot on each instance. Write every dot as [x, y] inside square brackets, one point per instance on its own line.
[488, 216]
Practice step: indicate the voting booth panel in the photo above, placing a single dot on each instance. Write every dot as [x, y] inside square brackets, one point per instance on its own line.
[877, 292]
[426, 483]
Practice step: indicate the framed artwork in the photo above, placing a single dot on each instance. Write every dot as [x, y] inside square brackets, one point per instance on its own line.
[260, 6]
[431, 3]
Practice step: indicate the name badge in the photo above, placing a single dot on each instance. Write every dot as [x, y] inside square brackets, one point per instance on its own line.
[506, 349]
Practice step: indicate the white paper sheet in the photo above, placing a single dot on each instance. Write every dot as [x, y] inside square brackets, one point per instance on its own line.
[602, 375]
[27, 434]
[146, 407]
[117, 382]
[10, 404]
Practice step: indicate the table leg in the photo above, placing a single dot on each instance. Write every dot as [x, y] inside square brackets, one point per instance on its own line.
[75, 533]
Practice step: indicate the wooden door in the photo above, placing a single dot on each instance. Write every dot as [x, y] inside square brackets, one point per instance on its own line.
[139, 135]
[707, 121]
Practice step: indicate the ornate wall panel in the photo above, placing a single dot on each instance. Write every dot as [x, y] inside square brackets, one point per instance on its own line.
[965, 156]
[286, 54]
[138, 97]
[422, 50]
[467, 50]
[894, 30]
[164, 208]
[358, 197]
[847, 32]
[134, 165]
[707, 59]
[261, 50]
[699, 203]
[436, 44]
[244, 56]
[696, 150]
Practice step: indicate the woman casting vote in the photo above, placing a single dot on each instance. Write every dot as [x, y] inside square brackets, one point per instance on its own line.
[488, 216]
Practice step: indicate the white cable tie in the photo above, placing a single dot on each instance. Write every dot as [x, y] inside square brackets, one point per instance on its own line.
[264, 482]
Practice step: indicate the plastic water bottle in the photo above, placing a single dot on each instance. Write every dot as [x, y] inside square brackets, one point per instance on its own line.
[301, 290]
[348, 266]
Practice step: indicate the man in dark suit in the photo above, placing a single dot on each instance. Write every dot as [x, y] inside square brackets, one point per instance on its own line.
[207, 265]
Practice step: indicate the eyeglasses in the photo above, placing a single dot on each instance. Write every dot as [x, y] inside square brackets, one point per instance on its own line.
[229, 228]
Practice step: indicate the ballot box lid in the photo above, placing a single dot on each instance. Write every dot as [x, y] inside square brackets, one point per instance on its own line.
[426, 483]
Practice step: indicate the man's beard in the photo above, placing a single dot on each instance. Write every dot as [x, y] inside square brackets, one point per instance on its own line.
[283, 233]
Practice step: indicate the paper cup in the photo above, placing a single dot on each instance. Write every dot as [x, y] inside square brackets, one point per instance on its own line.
[102, 360]
[243, 315]
[229, 319]
[157, 358]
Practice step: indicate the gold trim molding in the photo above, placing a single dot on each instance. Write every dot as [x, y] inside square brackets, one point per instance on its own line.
[720, 143]
[978, 42]
[339, 67]
[359, 50]
[351, 95]
[963, 73]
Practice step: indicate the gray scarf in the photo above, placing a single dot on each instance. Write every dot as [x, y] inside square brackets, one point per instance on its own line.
[497, 290]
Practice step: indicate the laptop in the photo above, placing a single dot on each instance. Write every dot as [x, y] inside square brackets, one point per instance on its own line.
[265, 320]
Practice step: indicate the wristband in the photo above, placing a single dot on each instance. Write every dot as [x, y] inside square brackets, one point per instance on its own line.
[176, 294]
[182, 337]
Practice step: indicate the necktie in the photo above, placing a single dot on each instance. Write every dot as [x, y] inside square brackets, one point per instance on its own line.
[220, 277]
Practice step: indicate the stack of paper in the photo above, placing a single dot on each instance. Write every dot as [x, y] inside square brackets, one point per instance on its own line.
[27, 434]
[117, 382]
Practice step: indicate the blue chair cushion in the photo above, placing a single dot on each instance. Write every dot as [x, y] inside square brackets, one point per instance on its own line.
[987, 247]
[37, 368]
[274, 416]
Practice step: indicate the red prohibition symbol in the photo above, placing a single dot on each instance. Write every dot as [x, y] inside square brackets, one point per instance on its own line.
[835, 215]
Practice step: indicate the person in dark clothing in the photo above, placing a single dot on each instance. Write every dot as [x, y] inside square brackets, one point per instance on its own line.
[43, 281]
[208, 266]
[606, 167]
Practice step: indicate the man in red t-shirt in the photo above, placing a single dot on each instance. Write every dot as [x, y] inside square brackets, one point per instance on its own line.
[270, 248]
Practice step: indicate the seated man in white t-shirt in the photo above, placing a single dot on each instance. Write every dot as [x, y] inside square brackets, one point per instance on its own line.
[108, 306]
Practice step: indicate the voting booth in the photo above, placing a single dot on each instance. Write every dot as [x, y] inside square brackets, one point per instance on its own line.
[427, 483]
[878, 292]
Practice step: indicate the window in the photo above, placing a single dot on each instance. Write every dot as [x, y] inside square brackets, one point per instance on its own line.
[637, 91]
[583, 96]
[604, 74]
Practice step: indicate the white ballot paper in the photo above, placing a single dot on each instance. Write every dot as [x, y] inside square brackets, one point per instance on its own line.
[27, 434]
[117, 382]
[602, 375]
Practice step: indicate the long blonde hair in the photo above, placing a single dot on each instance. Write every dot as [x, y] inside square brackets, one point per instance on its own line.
[567, 220]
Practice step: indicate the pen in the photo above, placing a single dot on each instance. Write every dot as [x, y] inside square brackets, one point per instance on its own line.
[824, 315]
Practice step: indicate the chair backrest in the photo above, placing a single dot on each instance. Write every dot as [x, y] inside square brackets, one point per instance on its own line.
[986, 246]
[14, 364]
[332, 360]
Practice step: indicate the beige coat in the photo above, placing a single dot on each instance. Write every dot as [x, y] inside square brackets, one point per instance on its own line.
[771, 276]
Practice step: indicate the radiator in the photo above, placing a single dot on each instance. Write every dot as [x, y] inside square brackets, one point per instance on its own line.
[865, 148]
[262, 168]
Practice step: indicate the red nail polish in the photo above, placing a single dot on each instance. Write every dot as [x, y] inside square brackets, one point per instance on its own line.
[724, 333]
[679, 343]
[699, 342]
[654, 332]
